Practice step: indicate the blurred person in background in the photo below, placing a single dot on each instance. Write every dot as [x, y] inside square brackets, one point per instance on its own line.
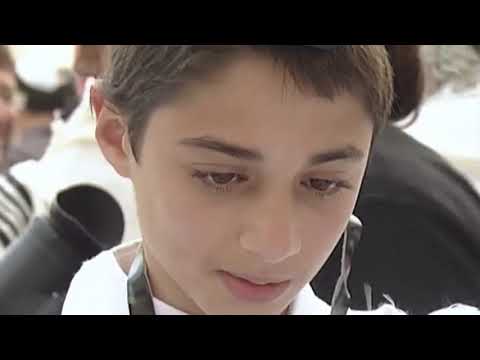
[8, 88]
[15, 203]
[41, 105]
[421, 217]
[73, 156]
[449, 120]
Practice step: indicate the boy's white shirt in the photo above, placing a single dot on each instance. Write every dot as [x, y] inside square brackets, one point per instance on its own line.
[100, 288]
[73, 157]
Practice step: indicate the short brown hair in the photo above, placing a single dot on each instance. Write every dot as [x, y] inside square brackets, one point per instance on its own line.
[139, 78]
[6, 59]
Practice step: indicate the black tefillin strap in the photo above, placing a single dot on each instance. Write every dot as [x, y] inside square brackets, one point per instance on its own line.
[341, 296]
[140, 299]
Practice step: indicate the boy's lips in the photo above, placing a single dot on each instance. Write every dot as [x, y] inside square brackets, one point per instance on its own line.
[254, 289]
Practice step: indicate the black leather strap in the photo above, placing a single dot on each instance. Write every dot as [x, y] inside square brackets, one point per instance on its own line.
[140, 300]
[341, 296]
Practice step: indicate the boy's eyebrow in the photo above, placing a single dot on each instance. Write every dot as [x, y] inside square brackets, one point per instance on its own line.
[210, 143]
[348, 152]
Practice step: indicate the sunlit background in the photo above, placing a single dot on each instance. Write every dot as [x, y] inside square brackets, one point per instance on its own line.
[40, 63]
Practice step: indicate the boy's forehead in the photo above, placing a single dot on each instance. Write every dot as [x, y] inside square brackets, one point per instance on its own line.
[249, 106]
[255, 84]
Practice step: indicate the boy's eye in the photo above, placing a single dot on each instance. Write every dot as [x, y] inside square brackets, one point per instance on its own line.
[222, 179]
[323, 187]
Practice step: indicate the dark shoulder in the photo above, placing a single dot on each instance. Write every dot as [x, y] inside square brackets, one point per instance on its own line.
[395, 154]
[407, 179]
[403, 168]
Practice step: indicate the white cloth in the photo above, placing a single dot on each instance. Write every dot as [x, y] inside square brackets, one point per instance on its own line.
[73, 157]
[449, 122]
[100, 288]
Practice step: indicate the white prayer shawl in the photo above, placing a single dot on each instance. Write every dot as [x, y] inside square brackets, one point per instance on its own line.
[72, 158]
[100, 288]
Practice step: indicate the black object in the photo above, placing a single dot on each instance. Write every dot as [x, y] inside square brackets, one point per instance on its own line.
[37, 269]
[63, 98]
[341, 296]
[140, 297]
[421, 241]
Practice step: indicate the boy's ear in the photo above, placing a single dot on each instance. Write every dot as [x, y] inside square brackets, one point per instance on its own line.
[111, 132]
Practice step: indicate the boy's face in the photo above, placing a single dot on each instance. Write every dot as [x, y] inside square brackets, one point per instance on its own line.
[244, 186]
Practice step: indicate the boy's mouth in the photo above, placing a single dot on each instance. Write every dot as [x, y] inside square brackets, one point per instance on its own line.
[252, 289]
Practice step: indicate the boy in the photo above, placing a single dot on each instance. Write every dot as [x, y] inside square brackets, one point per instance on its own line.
[246, 162]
